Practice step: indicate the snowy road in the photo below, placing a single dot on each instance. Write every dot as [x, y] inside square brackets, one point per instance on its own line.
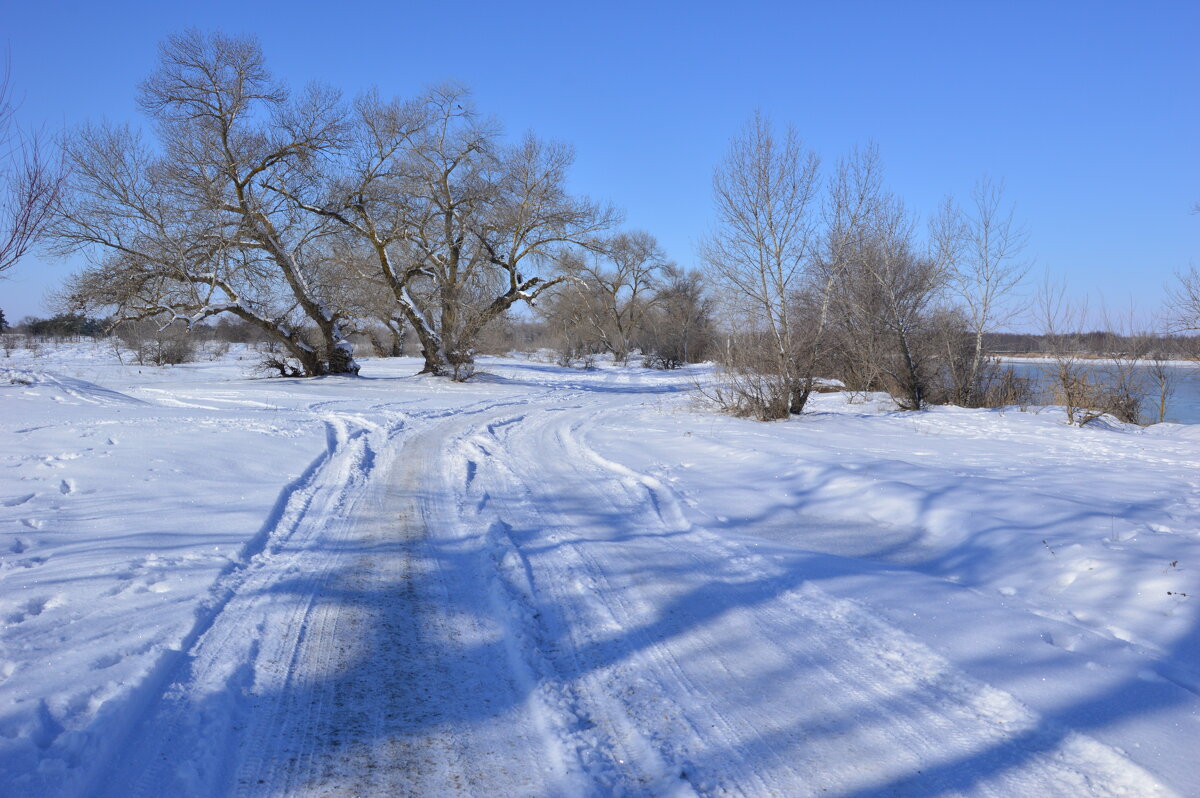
[523, 594]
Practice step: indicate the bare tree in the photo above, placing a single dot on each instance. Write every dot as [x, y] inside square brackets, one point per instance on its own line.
[1071, 376]
[30, 182]
[981, 247]
[841, 338]
[458, 224]
[1184, 301]
[530, 222]
[885, 301]
[678, 327]
[1123, 385]
[615, 282]
[1163, 381]
[191, 229]
[765, 197]
[569, 315]
[362, 197]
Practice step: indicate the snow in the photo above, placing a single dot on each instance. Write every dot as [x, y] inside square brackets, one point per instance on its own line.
[557, 582]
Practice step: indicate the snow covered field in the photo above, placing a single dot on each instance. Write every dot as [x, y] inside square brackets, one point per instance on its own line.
[553, 583]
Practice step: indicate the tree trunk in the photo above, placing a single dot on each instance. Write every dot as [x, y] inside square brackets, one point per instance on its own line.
[339, 352]
[798, 395]
[396, 327]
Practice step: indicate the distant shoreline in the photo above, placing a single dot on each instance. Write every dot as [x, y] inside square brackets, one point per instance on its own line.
[1040, 358]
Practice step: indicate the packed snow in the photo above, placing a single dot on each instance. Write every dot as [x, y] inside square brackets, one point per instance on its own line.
[551, 582]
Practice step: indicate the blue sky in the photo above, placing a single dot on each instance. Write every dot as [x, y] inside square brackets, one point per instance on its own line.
[1090, 112]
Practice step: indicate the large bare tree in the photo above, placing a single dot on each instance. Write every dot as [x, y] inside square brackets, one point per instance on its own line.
[459, 225]
[190, 229]
[903, 285]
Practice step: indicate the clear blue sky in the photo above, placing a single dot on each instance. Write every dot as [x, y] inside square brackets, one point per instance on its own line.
[1090, 111]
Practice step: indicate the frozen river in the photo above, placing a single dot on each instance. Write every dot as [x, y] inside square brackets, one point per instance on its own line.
[1183, 406]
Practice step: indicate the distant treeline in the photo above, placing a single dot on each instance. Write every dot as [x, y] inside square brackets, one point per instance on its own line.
[506, 335]
[1097, 343]
[531, 334]
[75, 326]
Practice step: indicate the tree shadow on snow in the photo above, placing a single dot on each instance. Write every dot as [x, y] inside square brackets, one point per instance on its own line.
[460, 632]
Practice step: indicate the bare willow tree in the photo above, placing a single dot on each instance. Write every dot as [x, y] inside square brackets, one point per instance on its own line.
[530, 221]
[30, 181]
[885, 304]
[678, 327]
[363, 198]
[460, 225]
[981, 247]
[191, 228]
[765, 197]
[853, 203]
[614, 283]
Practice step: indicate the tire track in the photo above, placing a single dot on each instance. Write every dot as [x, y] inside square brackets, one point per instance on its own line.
[711, 664]
[200, 692]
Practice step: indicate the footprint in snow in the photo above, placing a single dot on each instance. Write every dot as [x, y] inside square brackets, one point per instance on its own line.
[1067, 641]
[17, 501]
[48, 728]
[33, 608]
[33, 523]
[67, 487]
[143, 575]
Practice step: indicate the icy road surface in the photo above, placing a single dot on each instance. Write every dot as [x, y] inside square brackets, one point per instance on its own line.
[553, 583]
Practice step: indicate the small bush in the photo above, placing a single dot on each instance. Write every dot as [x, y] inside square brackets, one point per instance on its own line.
[170, 350]
[747, 394]
[1001, 387]
[155, 345]
[215, 350]
[663, 361]
[275, 362]
[575, 355]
